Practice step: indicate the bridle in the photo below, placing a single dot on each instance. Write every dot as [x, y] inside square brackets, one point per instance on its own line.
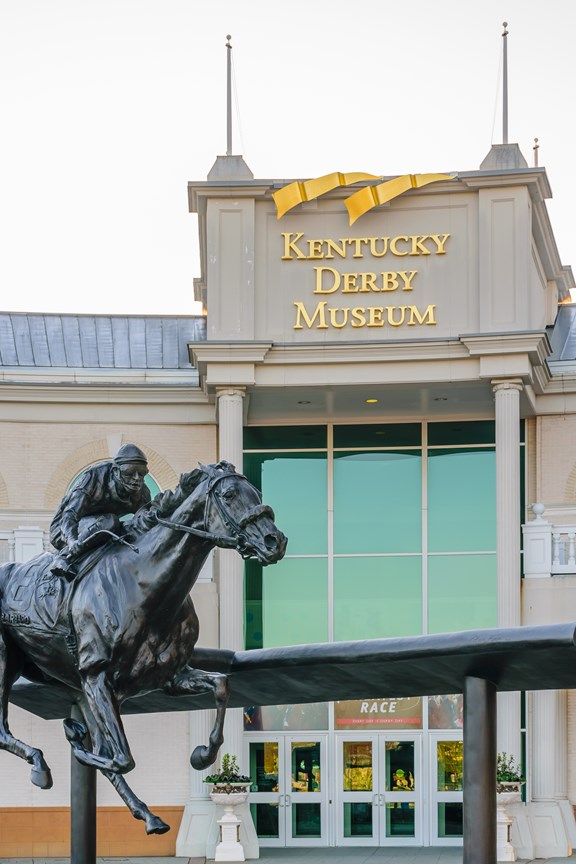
[237, 539]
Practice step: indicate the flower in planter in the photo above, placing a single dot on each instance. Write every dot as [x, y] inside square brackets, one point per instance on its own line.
[228, 777]
[507, 771]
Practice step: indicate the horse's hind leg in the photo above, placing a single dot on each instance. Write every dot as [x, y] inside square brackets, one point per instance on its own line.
[190, 682]
[154, 825]
[103, 705]
[9, 671]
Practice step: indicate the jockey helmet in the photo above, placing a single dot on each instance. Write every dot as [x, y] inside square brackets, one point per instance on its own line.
[130, 454]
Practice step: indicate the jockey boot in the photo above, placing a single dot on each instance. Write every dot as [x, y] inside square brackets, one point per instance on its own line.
[64, 566]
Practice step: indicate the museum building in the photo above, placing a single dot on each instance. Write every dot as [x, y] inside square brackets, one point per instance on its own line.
[393, 363]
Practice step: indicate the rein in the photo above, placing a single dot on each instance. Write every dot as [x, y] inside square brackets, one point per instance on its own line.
[237, 538]
[218, 539]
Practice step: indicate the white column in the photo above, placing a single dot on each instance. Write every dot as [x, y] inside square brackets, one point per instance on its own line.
[571, 744]
[199, 814]
[507, 399]
[231, 566]
[553, 824]
[198, 828]
[549, 745]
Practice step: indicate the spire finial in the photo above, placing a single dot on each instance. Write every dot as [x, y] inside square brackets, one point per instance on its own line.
[228, 96]
[536, 148]
[505, 84]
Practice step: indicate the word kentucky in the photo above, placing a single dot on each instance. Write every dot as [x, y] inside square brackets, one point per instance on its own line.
[296, 248]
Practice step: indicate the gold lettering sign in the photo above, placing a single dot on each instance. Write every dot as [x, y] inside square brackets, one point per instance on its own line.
[392, 284]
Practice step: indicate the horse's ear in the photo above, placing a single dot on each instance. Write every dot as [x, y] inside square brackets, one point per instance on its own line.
[189, 481]
[226, 466]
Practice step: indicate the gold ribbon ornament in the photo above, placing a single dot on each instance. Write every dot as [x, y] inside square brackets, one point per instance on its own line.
[296, 193]
[373, 196]
[359, 202]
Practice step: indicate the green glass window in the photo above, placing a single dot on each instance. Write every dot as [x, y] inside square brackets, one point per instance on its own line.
[378, 435]
[450, 759]
[461, 592]
[284, 437]
[358, 819]
[295, 602]
[450, 819]
[376, 597]
[266, 820]
[253, 604]
[462, 432]
[462, 500]
[295, 485]
[152, 485]
[377, 502]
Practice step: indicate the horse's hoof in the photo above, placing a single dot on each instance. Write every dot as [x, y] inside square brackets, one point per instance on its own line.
[200, 758]
[74, 730]
[42, 779]
[155, 825]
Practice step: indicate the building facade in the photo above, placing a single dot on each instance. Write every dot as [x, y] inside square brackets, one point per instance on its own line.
[403, 390]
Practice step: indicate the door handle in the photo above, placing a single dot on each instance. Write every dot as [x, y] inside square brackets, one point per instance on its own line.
[381, 801]
[287, 800]
[375, 800]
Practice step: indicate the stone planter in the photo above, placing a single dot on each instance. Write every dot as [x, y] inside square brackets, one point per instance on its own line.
[229, 796]
[507, 792]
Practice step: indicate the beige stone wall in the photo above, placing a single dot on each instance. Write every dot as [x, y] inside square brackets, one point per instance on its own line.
[549, 601]
[39, 460]
[159, 743]
[554, 465]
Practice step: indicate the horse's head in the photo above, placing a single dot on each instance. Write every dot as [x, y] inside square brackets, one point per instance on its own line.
[234, 511]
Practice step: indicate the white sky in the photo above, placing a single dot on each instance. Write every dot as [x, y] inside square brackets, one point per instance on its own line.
[109, 107]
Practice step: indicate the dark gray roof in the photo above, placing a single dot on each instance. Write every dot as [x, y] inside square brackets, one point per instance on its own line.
[563, 335]
[98, 341]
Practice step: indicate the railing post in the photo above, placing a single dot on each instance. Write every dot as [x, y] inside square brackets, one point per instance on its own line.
[571, 560]
[556, 549]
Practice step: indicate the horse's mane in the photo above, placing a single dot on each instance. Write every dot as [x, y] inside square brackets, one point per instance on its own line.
[165, 503]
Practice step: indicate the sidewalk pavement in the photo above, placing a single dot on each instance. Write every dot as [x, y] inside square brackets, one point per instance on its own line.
[316, 855]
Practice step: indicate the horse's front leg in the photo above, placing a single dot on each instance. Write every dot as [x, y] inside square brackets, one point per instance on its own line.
[10, 667]
[103, 705]
[192, 682]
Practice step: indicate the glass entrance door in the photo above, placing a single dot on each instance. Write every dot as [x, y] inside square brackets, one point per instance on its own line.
[446, 814]
[379, 790]
[288, 795]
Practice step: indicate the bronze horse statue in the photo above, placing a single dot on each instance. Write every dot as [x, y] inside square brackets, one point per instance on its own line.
[127, 625]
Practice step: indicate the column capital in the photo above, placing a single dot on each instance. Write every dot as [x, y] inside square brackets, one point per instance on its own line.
[230, 391]
[500, 384]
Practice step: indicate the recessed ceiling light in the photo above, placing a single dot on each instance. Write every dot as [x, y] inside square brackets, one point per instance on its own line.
[371, 401]
[440, 399]
[303, 402]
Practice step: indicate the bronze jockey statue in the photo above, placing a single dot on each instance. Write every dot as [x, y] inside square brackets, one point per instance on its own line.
[89, 514]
